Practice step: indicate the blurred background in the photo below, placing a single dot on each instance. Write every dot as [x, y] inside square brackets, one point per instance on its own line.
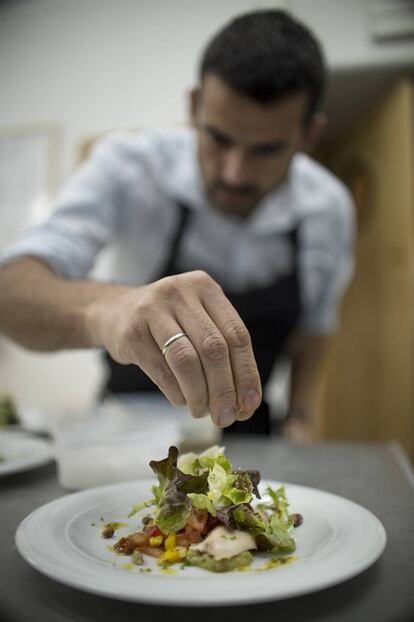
[72, 71]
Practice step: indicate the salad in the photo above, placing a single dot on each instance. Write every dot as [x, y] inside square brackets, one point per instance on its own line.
[204, 513]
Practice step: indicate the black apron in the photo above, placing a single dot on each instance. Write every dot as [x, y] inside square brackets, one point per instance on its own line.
[270, 314]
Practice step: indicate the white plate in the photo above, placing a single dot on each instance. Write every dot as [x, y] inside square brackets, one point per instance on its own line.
[20, 452]
[337, 540]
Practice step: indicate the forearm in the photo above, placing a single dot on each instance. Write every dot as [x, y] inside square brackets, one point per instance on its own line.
[41, 311]
[212, 370]
[307, 368]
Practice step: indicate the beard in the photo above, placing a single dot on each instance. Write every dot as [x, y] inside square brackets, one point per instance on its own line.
[235, 200]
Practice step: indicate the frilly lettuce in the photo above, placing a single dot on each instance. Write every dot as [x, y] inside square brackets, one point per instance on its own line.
[225, 486]
[272, 535]
[173, 505]
[205, 481]
[278, 505]
[194, 464]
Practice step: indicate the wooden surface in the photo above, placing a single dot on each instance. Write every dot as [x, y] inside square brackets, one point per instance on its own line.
[368, 391]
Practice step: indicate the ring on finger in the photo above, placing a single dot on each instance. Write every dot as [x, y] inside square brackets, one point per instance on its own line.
[171, 340]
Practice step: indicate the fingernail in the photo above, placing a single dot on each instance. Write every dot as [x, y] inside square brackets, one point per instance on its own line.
[251, 400]
[242, 415]
[227, 417]
[203, 413]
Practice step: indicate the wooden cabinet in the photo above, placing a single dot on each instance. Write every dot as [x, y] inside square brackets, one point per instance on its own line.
[368, 387]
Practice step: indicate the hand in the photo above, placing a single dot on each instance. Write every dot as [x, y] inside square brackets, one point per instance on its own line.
[212, 369]
[299, 430]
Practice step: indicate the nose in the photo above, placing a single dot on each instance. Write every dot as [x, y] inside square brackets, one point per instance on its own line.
[235, 169]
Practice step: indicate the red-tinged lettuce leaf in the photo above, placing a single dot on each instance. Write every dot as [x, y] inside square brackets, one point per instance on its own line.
[225, 515]
[167, 470]
[191, 483]
[173, 505]
[247, 481]
[172, 510]
[255, 479]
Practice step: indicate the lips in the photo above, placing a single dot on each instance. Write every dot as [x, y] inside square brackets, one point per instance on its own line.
[233, 196]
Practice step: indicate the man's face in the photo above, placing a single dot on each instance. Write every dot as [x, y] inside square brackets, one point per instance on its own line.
[244, 147]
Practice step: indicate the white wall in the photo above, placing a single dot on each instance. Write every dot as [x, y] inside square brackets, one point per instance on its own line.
[93, 65]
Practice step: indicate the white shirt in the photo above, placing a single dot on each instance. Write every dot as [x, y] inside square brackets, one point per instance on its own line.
[126, 195]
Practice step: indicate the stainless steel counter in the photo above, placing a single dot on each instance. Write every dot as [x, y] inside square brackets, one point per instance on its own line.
[377, 476]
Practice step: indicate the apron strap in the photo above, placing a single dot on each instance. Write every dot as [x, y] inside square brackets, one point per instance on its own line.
[168, 267]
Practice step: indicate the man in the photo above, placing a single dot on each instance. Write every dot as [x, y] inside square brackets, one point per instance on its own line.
[231, 246]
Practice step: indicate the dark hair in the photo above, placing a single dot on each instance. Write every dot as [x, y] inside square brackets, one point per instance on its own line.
[267, 55]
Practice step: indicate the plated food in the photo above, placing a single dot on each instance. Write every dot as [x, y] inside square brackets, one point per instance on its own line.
[62, 539]
[205, 513]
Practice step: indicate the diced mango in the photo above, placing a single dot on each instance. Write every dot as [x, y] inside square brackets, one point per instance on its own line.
[156, 541]
[182, 551]
[171, 556]
[170, 541]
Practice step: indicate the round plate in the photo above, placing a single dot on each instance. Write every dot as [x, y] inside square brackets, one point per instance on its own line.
[337, 540]
[20, 452]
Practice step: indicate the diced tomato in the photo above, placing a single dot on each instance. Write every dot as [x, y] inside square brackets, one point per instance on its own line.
[152, 530]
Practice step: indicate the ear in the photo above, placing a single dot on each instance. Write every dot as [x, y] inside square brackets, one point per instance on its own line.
[194, 104]
[314, 131]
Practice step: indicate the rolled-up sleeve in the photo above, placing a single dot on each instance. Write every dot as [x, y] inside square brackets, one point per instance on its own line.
[83, 221]
[327, 264]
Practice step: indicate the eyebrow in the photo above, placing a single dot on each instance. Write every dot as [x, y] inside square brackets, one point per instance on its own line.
[225, 138]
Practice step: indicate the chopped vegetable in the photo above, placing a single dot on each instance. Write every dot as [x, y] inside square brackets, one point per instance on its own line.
[137, 557]
[203, 560]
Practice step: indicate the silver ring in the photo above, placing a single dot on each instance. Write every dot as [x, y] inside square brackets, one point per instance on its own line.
[171, 340]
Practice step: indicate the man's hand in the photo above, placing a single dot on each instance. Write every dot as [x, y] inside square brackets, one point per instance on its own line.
[212, 369]
[308, 356]
[301, 431]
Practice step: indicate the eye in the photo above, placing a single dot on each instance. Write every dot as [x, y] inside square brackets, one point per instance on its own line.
[218, 138]
[269, 150]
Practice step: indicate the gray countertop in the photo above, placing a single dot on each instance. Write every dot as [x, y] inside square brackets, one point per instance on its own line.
[377, 476]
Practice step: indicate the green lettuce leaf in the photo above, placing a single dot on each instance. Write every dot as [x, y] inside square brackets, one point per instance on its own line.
[228, 488]
[188, 463]
[206, 481]
[137, 507]
[217, 481]
[278, 505]
[194, 464]
[172, 510]
[207, 462]
[272, 535]
[202, 502]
